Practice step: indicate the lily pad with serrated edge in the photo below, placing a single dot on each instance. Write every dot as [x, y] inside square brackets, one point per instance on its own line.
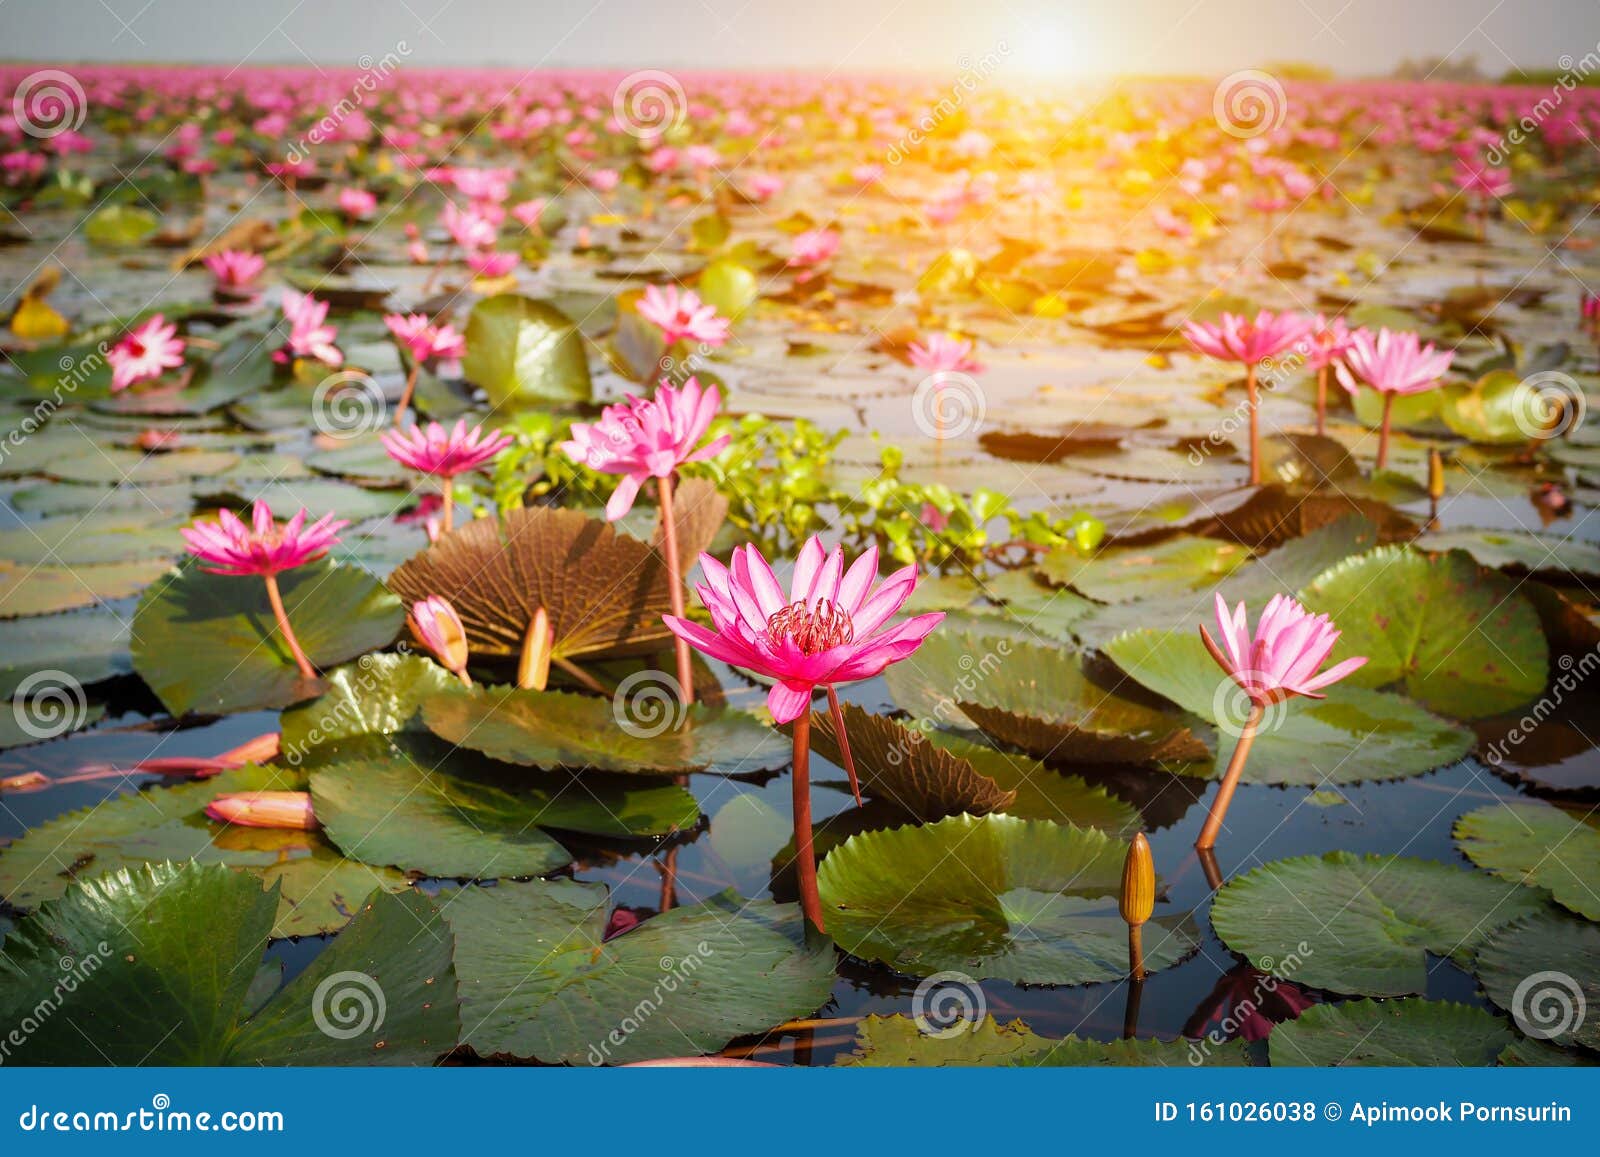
[565, 729]
[321, 889]
[604, 592]
[72, 540]
[1390, 1033]
[378, 694]
[1042, 792]
[1545, 972]
[1457, 637]
[899, 1042]
[1519, 550]
[1363, 925]
[538, 978]
[1352, 735]
[993, 896]
[165, 961]
[1540, 845]
[209, 643]
[1120, 574]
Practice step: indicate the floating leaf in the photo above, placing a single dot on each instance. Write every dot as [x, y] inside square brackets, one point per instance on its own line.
[70, 541]
[165, 960]
[539, 980]
[523, 352]
[44, 590]
[1545, 971]
[729, 286]
[1519, 550]
[563, 729]
[898, 1042]
[378, 694]
[1120, 574]
[1540, 845]
[120, 225]
[85, 645]
[209, 643]
[1362, 924]
[1042, 792]
[1390, 1033]
[1460, 639]
[993, 896]
[604, 592]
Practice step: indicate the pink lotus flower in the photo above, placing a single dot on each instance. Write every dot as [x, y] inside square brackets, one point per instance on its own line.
[1483, 181]
[681, 315]
[813, 247]
[468, 229]
[309, 334]
[265, 809]
[424, 340]
[647, 437]
[1329, 341]
[435, 624]
[1238, 339]
[263, 548]
[1279, 663]
[145, 353]
[831, 628]
[763, 186]
[490, 265]
[1394, 364]
[235, 269]
[602, 180]
[357, 204]
[529, 212]
[443, 453]
[938, 353]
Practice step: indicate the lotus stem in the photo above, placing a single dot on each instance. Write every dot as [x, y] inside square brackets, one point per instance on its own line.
[582, 676]
[1230, 779]
[1208, 865]
[405, 396]
[805, 856]
[1322, 401]
[844, 743]
[307, 671]
[1383, 432]
[1130, 1012]
[533, 668]
[447, 516]
[669, 538]
[1255, 424]
[1136, 970]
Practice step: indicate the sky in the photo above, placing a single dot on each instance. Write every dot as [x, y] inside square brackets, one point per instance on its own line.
[1062, 38]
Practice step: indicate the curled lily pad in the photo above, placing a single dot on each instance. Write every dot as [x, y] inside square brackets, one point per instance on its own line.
[1545, 971]
[1362, 924]
[604, 593]
[1352, 735]
[209, 643]
[899, 1042]
[524, 352]
[1457, 637]
[1390, 1033]
[320, 891]
[563, 729]
[1043, 793]
[1538, 844]
[992, 896]
[165, 959]
[539, 979]
[1519, 550]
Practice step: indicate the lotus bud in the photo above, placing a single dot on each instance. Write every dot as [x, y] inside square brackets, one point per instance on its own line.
[1138, 882]
[435, 624]
[1435, 475]
[533, 669]
[265, 809]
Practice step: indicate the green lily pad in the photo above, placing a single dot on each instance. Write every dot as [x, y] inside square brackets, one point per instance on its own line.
[1540, 845]
[378, 694]
[1501, 408]
[1545, 971]
[523, 352]
[1519, 549]
[1390, 1033]
[1460, 639]
[88, 646]
[1043, 793]
[120, 225]
[165, 960]
[209, 643]
[539, 980]
[563, 729]
[898, 1042]
[320, 888]
[97, 538]
[113, 465]
[1354, 734]
[992, 896]
[1362, 924]
[44, 590]
[1121, 574]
